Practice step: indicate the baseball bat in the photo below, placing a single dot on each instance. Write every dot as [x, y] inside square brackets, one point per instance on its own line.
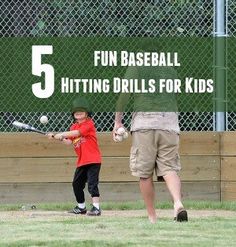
[27, 127]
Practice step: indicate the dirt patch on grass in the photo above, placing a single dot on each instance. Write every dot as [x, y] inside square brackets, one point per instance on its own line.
[43, 215]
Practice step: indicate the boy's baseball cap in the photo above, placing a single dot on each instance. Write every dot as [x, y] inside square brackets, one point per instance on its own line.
[80, 104]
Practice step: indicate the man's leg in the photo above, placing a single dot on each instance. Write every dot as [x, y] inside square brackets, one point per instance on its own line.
[168, 164]
[148, 193]
[142, 164]
[174, 186]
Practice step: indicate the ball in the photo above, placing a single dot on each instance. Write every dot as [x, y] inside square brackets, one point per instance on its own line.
[44, 120]
[125, 135]
[180, 29]
[120, 131]
[118, 138]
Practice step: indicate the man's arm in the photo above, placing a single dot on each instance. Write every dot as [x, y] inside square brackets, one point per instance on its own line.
[123, 100]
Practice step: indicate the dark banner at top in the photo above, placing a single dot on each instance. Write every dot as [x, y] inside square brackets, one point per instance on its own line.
[115, 74]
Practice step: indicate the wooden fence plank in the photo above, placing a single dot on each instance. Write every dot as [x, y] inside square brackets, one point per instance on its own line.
[228, 191]
[228, 143]
[34, 145]
[191, 143]
[228, 168]
[200, 168]
[199, 143]
[20, 170]
[62, 192]
[111, 148]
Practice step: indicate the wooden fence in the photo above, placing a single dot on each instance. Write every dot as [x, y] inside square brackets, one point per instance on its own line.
[34, 169]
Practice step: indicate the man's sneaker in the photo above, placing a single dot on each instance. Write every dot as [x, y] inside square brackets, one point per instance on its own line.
[182, 215]
[94, 212]
[77, 210]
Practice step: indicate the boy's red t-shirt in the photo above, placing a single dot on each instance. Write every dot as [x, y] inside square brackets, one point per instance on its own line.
[86, 146]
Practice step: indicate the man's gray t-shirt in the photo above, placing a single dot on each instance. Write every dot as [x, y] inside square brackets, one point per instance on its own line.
[155, 120]
[158, 110]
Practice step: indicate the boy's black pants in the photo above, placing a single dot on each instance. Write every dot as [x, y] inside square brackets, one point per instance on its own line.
[87, 173]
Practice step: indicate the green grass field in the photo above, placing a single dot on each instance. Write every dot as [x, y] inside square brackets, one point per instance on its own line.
[21, 228]
[214, 205]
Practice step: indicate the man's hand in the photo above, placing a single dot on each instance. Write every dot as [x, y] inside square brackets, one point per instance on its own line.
[117, 124]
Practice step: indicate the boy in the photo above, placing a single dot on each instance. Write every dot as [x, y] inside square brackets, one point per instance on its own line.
[82, 135]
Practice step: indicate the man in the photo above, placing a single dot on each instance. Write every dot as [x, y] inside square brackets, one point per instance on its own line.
[155, 141]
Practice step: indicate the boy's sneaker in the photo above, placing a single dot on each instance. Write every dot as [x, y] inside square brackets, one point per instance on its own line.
[77, 210]
[94, 212]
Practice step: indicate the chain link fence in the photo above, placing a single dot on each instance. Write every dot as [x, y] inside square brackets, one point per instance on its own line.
[231, 33]
[110, 18]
